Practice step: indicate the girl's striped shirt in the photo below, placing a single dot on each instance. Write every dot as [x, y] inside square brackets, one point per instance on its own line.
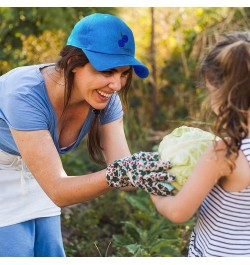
[223, 225]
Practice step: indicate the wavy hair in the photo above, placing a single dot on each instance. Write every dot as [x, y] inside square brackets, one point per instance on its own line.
[227, 68]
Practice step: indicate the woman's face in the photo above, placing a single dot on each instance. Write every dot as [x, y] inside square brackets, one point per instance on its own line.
[97, 87]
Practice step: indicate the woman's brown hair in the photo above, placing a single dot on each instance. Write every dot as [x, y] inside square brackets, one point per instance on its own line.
[227, 69]
[72, 57]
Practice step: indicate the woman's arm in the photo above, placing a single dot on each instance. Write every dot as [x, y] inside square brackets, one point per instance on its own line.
[40, 155]
[112, 134]
[209, 169]
[113, 141]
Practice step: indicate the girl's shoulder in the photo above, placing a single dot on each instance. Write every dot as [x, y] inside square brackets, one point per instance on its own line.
[239, 178]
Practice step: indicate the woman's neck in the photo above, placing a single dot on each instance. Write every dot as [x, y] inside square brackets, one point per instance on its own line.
[54, 81]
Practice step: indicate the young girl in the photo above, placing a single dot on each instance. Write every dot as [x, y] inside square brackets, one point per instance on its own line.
[220, 182]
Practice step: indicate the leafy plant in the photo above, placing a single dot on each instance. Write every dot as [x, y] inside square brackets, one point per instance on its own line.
[147, 234]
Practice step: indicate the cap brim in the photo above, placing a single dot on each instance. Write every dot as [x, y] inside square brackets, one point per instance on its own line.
[103, 61]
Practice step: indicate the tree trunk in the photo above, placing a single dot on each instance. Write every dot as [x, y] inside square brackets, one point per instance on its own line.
[153, 74]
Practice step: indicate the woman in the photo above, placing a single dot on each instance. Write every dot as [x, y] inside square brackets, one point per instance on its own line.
[46, 110]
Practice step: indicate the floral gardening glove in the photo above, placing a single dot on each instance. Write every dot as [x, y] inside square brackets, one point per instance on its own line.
[142, 170]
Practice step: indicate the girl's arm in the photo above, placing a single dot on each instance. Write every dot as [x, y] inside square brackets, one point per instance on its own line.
[40, 155]
[209, 169]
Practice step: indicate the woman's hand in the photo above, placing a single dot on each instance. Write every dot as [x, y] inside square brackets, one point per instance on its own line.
[142, 170]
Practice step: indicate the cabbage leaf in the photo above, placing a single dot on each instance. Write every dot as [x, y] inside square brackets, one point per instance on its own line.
[183, 147]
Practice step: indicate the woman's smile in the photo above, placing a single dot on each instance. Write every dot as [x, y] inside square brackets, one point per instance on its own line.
[103, 94]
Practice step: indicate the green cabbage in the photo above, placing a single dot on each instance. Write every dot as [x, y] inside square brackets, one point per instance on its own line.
[183, 147]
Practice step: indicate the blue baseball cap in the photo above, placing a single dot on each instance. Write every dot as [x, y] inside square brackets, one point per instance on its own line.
[107, 42]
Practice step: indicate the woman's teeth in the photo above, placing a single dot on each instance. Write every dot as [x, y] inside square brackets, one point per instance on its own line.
[104, 94]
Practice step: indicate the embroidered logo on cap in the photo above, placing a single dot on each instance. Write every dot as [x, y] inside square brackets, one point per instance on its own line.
[123, 40]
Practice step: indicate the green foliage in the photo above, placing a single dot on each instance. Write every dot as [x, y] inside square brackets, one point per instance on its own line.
[88, 228]
[127, 227]
[148, 234]
[20, 23]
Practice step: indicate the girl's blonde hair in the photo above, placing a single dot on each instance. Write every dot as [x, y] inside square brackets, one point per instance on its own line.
[227, 68]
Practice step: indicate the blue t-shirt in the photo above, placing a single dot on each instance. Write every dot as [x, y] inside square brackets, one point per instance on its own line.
[25, 106]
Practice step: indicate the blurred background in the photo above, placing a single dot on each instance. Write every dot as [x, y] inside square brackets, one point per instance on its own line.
[171, 41]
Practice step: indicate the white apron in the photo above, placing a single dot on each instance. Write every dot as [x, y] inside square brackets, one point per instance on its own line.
[21, 197]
